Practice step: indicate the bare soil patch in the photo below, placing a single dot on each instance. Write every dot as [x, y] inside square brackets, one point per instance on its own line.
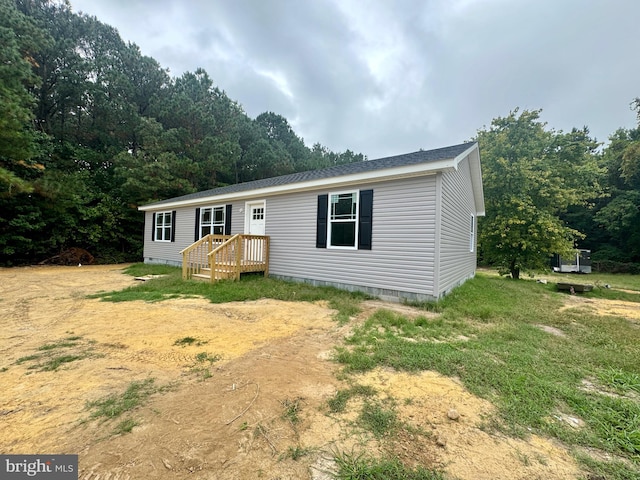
[602, 306]
[262, 413]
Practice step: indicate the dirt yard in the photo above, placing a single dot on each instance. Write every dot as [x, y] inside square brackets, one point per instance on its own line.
[259, 411]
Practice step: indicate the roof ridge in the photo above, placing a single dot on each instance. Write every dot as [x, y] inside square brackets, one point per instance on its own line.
[413, 158]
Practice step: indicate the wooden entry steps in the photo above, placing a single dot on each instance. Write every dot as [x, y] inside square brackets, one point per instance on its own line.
[218, 257]
[205, 275]
[226, 272]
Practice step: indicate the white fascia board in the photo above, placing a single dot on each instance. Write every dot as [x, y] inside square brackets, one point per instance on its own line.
[473, 152]
[463, 155]
[476, 181]
[332, 182]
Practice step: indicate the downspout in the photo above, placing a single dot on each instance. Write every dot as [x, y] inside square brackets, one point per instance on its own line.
[436, 249]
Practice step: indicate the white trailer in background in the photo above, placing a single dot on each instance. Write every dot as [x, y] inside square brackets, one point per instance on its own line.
[578, 263]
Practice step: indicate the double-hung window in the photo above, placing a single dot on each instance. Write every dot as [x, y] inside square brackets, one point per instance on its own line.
[343, 219]
[212, 221]
[163, 229]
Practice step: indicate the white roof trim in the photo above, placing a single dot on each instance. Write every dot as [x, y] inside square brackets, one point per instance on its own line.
[464, 154]
[429, 168]
[476, 180]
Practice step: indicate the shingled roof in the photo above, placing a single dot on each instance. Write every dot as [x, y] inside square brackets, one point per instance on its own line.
[419, 157]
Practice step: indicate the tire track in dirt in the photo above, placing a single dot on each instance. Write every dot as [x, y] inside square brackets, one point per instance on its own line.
[232, 425]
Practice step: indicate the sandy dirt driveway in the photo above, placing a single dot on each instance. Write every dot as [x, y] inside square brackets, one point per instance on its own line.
[258, 411]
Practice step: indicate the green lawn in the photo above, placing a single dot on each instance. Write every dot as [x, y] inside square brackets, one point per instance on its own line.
[630, 282]
[531, 376]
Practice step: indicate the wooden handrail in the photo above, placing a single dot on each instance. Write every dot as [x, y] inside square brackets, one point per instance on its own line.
[226, 256]
[228, 252]
[194, 257]
[224, 244]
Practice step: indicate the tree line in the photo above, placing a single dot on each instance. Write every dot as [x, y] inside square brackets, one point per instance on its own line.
[90, 128]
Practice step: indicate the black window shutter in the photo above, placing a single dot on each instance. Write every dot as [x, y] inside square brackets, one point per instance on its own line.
[227, 219]
[173, 226]
[321, 226]
[153, 226]
[365, 219]
[196, 235]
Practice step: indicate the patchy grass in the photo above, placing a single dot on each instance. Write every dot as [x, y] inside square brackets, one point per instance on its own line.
[292, 410]
[359, 467]
[184, 341]
[488, 335]
[55, 362]
[113, 406]
[297, 452]
[346, 307]
[204, 360]
[53, 346]
[125, 426]
[27, 358]
[381, 420]
[338, 403]
[207, 357]
[611, 470]
[52, 356]
[142, 269]
[503, 345]
[250, 287]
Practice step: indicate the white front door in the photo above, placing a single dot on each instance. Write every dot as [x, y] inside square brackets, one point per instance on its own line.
[256, 219]
[254, 225]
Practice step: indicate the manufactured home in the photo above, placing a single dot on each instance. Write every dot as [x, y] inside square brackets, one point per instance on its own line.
[400, 227]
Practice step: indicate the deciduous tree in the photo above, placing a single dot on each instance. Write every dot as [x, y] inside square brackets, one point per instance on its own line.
[531, 176]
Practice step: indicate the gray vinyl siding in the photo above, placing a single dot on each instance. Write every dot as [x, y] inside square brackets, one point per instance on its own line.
[457, 262]
[400, 262]
[168, 252]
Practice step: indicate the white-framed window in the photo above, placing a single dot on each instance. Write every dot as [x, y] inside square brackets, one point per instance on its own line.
[163, 227]
[343, 220]
[212, 221]
[472, 233]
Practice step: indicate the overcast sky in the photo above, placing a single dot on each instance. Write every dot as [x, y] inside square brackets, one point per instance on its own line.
[384, 77]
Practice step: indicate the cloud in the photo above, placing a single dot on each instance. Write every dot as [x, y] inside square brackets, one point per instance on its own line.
[383, 78]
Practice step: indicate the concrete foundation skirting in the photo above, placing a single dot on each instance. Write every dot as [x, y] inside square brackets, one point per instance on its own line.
[162, 261]
[381, 293]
